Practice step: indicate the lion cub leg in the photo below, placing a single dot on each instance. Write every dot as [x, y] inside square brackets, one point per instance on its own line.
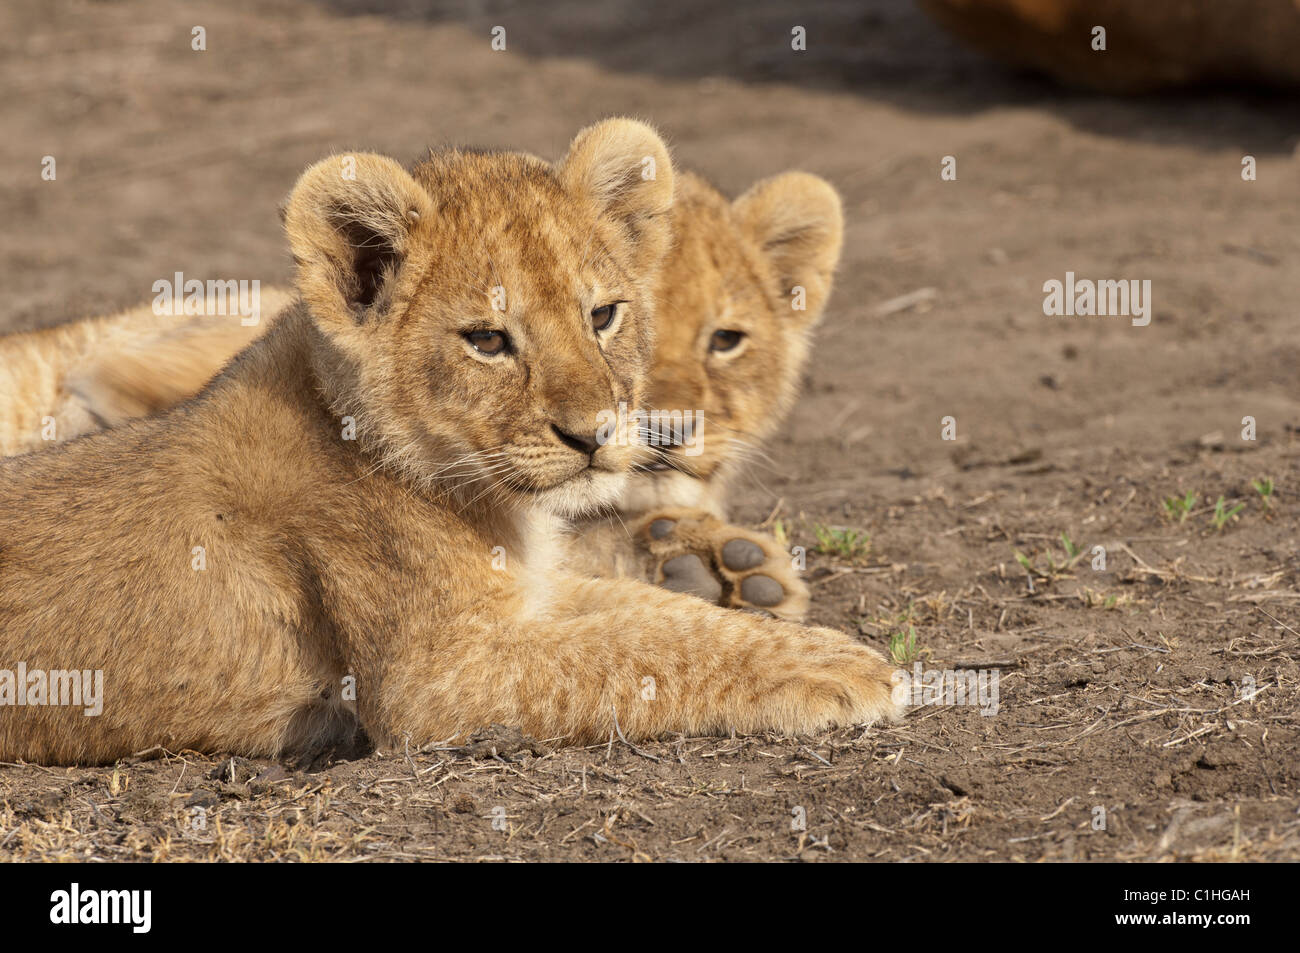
[618, 655]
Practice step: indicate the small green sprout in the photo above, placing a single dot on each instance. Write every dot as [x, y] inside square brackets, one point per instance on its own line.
[1222, 515]
[902, 646]
[1179, 508]
[1073, 553]
[839, 541]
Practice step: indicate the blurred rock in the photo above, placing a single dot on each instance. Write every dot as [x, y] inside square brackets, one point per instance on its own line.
[1148, 45]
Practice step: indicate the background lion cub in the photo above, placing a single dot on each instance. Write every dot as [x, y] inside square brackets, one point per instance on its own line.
[230, 565]
[744, 284]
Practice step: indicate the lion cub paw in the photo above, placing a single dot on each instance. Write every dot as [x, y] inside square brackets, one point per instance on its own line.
[840, 682]
[694, 552]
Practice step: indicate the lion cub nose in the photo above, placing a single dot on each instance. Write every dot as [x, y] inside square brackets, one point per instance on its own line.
[580, 442]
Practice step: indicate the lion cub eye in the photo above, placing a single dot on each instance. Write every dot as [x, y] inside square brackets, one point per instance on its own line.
[603, 317]
[488, 342]
[725, 340]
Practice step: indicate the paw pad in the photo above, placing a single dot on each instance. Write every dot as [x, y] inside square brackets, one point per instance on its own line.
[761, 591]
[661, 528]
[687, 573]
[741, 554]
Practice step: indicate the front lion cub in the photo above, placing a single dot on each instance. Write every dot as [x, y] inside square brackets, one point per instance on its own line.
[370, 496]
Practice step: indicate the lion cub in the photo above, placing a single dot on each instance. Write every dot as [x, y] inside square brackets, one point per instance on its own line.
[742, 288]
[237, 569]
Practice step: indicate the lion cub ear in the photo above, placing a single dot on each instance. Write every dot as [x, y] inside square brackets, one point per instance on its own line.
[797, 221]
[623, 166]
[349, 221]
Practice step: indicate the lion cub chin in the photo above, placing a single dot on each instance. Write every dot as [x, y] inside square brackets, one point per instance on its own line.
[346, 530]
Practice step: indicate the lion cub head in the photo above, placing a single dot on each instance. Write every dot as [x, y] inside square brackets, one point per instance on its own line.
[477, 314]
[744, 284]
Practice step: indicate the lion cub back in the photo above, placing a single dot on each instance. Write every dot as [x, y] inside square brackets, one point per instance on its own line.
[61, 382]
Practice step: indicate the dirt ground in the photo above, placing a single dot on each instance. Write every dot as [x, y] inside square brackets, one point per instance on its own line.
[1162, 689]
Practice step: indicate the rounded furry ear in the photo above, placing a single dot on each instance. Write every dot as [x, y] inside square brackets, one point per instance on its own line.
[623, 166]
[349, 221]
[797, 221]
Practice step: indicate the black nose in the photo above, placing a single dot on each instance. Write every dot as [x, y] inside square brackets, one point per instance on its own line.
[581, 443]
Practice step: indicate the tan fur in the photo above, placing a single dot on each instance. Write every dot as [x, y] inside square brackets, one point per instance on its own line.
[327, 559]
